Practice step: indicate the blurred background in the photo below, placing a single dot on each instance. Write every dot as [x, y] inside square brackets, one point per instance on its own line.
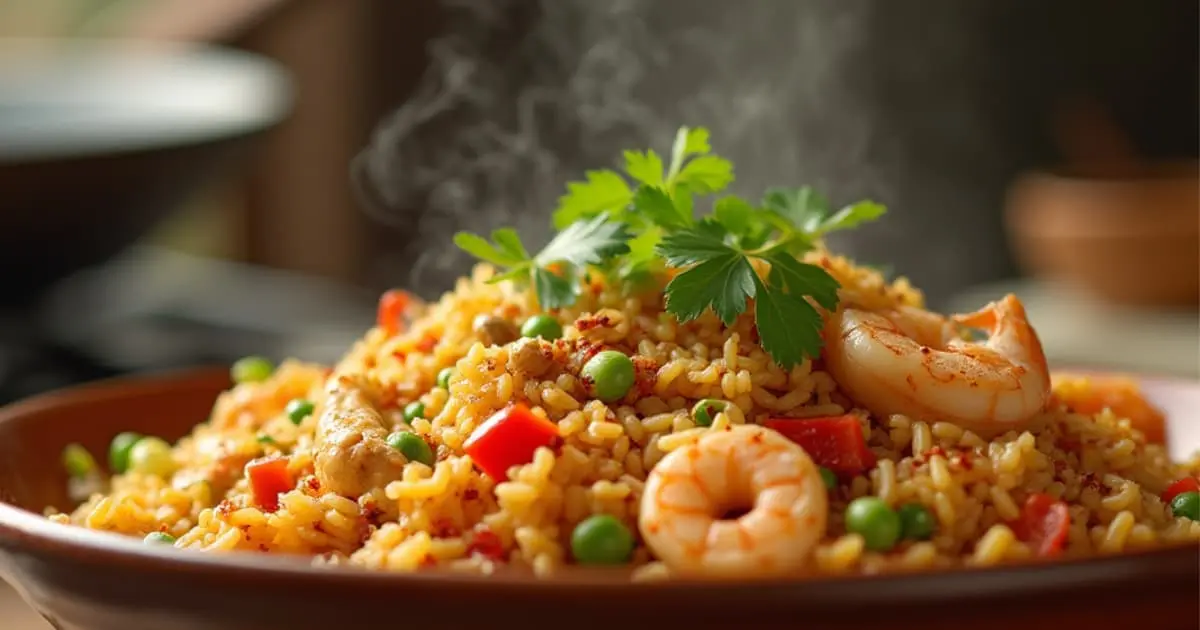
[186, 182]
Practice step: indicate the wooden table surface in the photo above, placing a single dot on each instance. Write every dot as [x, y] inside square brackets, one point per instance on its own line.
[17, 615]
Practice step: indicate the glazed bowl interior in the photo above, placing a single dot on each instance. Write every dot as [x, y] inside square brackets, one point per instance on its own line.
[80, 578]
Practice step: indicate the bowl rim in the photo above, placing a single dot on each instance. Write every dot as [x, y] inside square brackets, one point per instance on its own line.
[24, 532]
[242, 93]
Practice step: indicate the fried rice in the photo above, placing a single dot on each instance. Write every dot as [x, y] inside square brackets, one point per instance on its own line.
[453, 515]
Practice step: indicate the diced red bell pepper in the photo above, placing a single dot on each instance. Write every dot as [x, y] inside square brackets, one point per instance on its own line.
[392, 306]
[509, 438]
[1043, 524]
[486, 543]
[835, 442]
[269, 477]
[1187, 484]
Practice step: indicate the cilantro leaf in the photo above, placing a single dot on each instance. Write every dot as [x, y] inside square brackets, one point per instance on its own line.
[688, 143]
[478, 247]
[804, 207]
[734, 213]
[507, 240]
[707, 174]
[553, 290]
[722, 282]
[654, 203]
[646, 167]
[694, 245]
[788, 326]
[852, 216]
[803, 279]
[586, 242]
[602, 192]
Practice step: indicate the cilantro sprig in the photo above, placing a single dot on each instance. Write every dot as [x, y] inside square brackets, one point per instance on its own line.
[553, 271]
[644, 217]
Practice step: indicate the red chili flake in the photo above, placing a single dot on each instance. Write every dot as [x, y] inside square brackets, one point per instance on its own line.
[486, 543]
[444, 528]
[754, 334]
[593, 321]
[427, 562]
[225, 507]
[937, 450]
[645, 374]
[371, 511]
[962, 461]
[400, 355]
[470, 494]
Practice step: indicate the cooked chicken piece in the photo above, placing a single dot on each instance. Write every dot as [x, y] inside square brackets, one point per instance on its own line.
[531, 357]
[494, 330]
[351, 453]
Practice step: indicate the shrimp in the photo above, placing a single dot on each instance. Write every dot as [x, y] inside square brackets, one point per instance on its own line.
[351, 454]
[682, 516]
[1123, 395]
[912, 362]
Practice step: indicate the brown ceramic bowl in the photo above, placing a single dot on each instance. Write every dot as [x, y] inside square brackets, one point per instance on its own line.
[1132, 238]
[81, 579]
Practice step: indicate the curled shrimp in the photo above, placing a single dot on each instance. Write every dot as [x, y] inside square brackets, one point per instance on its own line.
[687, 495]
[912, 362]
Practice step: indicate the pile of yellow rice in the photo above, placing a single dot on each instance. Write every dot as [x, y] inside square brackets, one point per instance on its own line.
[1101, 466]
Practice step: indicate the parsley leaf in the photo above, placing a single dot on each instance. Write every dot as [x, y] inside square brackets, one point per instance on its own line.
[803, 279]
[723, 282]
[586, 242]
[646, 167]
[790, 328]
[804, 207]
[707, 174]
[604, 191]
[852, 216]
[498, 254]
[656, 205]
[687, 247]
[553, 290]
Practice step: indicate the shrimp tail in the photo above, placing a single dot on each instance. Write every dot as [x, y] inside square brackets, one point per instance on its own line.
[990, 316]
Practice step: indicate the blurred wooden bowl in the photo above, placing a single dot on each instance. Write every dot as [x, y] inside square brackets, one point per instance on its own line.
[1132, 238]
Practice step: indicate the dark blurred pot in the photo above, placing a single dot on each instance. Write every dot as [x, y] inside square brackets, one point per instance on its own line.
[100, 140]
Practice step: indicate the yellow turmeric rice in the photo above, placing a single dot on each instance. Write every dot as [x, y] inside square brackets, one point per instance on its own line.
[383, 461]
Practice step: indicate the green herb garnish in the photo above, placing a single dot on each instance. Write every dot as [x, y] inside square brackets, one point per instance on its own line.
[634, 223]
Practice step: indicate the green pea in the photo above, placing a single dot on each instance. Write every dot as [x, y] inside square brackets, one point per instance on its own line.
[159, 538]
[601, 539]
[414, 410]
[871, 518]
[118, 451]
[251, 370]
[443, 377]
[78, 461]
[830, 479]
[412, 447]
[298, 409]
[543, 326]
[706, 410]
[916, 521]
[152, 456]
[263, 438]
[611, 375]
[1186, 504]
